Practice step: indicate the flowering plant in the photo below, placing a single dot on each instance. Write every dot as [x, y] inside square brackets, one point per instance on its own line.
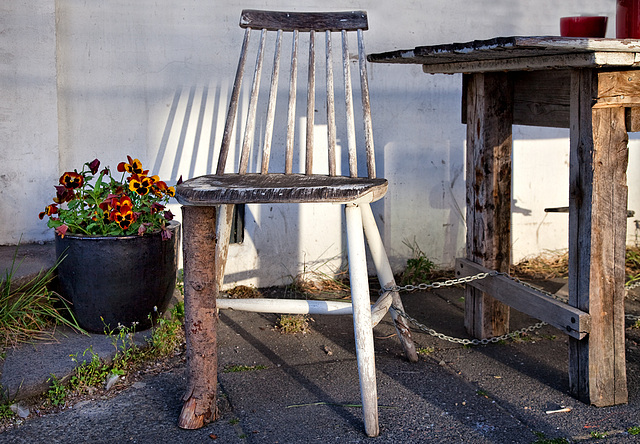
[135, 204]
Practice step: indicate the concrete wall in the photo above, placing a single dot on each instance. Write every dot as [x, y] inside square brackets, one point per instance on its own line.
[152, 78]
[28, 117]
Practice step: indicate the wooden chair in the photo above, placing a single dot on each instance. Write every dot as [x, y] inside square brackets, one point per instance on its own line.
[209, 197]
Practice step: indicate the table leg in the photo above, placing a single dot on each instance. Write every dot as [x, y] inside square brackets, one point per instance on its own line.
[597, 242]
[489, 116]
[201, 318]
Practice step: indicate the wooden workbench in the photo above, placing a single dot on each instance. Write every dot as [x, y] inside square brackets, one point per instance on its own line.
[590, 86]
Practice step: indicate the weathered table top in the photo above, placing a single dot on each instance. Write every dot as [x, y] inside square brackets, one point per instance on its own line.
[518, 53]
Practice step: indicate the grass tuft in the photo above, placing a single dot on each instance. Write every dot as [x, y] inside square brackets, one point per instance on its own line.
[292, 324]
[29, 309]
[244, 292]
[419, 267]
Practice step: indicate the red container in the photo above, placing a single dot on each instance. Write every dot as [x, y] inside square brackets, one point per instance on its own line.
[583, 26]
[628, 19]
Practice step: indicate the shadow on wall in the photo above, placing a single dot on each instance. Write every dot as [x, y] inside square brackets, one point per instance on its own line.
[285, 235]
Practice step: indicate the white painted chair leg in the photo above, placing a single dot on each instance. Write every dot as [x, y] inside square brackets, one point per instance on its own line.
[362, 319]
[223, 234]
[386, 279]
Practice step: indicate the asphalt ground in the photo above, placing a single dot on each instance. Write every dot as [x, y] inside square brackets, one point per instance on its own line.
[304, 387]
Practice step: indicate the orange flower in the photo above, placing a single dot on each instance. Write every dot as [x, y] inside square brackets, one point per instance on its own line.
[121, 204]
[71, 180]
[122, 212]
[49, 211]
[125, 219]
[134, 166]
[141, 184]
[160, 188]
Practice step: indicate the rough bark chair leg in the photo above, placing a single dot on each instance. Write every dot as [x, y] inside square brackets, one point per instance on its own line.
[201, 317]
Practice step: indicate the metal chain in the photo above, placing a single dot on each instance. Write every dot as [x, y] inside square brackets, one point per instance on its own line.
[447, 283]
[633, 285]
[509, 336]
[463, 280]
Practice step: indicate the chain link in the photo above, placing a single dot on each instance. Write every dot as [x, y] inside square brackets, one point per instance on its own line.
[509, 336]
[632, 285]
[447, 283]
[464, 280]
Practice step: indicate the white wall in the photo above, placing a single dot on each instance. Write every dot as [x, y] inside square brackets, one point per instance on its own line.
[28, 117]
[151, 79]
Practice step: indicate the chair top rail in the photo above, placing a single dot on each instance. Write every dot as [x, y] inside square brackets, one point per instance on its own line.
[304, 21]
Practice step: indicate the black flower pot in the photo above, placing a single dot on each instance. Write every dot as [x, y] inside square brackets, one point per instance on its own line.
[113, 280]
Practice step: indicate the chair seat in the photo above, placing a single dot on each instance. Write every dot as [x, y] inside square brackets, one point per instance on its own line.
[278, 188]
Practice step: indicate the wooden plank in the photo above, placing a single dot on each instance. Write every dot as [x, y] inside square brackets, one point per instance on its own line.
[515, 46]
[597, 235]
[555, 49]
[618, 88]
[542, 98]
[213, 190]
[304, 21]
[632, 119]
[489, 115]
[572, 321]
[561, 61]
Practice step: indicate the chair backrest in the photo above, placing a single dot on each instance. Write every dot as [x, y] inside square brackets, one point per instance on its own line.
[296, 27]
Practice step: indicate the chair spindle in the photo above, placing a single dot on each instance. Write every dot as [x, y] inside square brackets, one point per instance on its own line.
[331, 113]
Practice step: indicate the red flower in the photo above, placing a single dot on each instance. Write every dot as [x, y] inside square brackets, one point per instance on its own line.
[122, 204]
[49, 210]
[156, 207]
[71, 180]
[93, 166]
[63, 194]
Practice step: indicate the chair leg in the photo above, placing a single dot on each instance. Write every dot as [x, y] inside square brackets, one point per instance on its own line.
[223, 235]
[385, 276]
[362, 318]
[201, 319]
